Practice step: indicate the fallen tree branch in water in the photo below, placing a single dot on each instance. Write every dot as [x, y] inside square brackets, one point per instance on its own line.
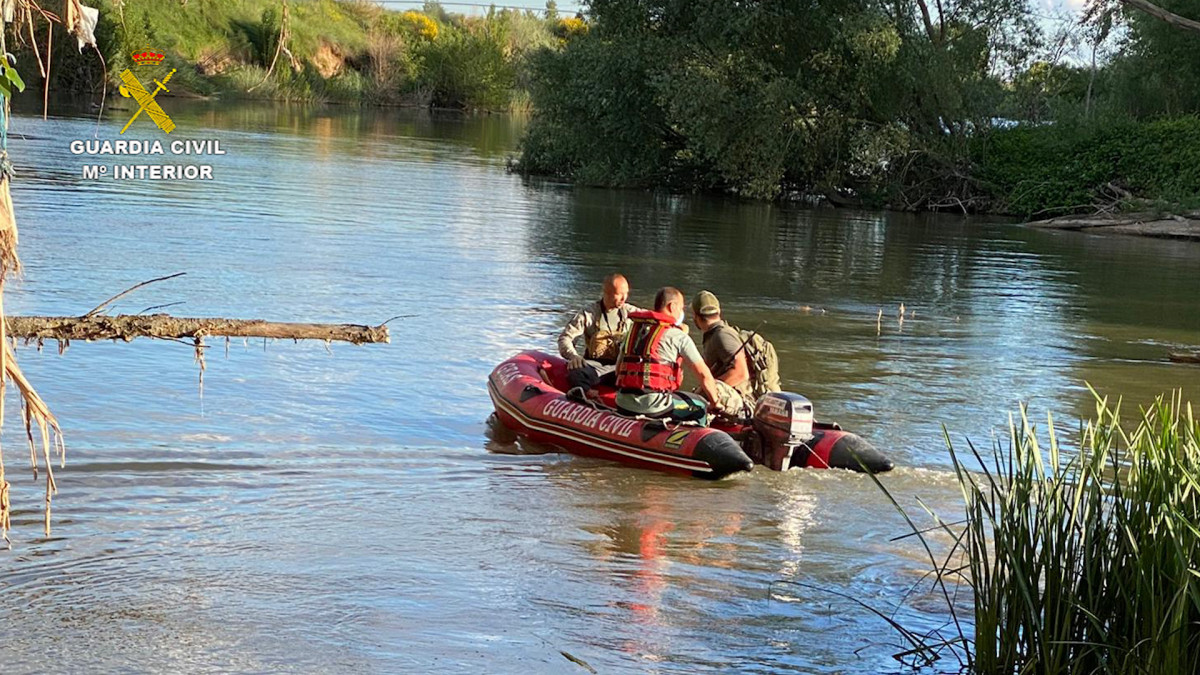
[164, 326]
[96, 326]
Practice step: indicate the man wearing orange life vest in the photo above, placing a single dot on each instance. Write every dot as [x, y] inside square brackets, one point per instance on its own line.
[649, 368]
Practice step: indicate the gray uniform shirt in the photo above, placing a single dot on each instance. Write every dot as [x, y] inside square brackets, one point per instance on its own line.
[590, 320]
[674, 343]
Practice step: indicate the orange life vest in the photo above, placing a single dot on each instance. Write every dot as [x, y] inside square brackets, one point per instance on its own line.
[641, 366]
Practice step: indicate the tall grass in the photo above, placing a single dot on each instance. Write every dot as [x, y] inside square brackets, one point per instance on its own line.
[1083, 561]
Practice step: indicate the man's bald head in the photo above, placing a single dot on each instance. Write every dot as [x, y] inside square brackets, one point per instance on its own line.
[616, 291]
[611, 280]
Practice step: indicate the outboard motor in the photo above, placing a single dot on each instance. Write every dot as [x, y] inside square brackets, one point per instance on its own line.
[784, 422]
[790, 438]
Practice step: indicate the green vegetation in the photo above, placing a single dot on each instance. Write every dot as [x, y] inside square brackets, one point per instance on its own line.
[321, 50]
[1072, 167]
[968, 105]
[1086, 562]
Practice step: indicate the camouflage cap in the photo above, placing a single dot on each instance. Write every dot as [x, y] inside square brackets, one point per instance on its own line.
[706, 304]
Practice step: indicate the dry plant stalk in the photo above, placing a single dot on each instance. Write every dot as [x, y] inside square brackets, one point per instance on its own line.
[34, 409]
[285, 34]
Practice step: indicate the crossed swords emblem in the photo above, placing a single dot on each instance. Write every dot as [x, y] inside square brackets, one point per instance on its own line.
[145, 99]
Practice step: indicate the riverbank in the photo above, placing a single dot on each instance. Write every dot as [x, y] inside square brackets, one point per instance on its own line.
[864, 107]
[311, 51]
[1143, 173]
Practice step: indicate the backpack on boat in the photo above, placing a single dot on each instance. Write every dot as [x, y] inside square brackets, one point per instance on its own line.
[762, 361]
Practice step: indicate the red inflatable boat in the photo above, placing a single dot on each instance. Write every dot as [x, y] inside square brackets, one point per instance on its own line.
[528, 393]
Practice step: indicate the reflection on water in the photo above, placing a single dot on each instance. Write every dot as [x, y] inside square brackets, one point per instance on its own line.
[343, 510]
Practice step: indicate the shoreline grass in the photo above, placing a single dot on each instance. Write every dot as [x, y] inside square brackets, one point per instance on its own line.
[1083, 561]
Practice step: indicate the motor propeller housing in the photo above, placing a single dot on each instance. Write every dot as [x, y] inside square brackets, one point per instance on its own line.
[788, 437]
[784, 421]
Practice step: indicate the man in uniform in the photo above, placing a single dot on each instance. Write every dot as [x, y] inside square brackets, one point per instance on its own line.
[603, 325]
[724, 355]
[650, 367]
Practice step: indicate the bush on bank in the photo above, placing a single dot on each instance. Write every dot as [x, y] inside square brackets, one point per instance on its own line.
[1067, 168]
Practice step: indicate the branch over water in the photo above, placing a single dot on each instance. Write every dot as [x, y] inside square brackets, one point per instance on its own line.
[164, 326]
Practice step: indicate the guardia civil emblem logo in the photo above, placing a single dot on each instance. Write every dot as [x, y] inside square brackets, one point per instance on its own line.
[132, 88]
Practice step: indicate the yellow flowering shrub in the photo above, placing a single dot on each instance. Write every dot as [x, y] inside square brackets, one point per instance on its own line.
[570, 27]
[420, 24]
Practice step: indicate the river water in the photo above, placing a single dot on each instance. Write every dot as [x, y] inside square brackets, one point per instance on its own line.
[340, 509]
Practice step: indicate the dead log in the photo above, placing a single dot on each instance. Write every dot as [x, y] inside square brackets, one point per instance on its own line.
[1184, 357]
[1164, 15]
[164, 326]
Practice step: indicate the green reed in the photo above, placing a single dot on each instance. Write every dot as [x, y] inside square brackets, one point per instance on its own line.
[1080, 562]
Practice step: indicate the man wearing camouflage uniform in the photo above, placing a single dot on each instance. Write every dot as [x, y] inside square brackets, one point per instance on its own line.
[603, 325]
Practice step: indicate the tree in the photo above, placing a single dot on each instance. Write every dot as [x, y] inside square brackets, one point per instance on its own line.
[1157, 69]
[758, 98]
